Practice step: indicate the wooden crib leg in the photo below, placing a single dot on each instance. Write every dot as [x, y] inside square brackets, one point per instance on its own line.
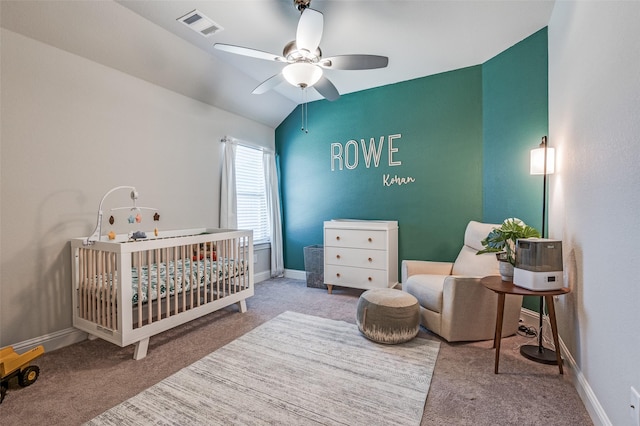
[242, 305]
[141, 349]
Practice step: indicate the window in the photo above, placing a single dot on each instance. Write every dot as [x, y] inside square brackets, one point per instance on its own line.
[251, 195]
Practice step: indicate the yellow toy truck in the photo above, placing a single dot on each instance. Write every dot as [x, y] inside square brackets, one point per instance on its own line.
[12, 364]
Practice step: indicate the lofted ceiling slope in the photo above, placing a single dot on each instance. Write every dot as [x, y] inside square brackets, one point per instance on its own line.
[144, 39]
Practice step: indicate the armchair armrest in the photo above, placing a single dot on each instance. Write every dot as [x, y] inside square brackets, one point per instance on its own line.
[469, 310]
[415, 267]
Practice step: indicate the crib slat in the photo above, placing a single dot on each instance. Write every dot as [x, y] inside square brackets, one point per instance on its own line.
[243, 256]
[158, 262]
[175, 279]
[108, 284]
[117, 280]
[99, 282]
[191, 277]
[245, 245]
[245, 266]
[92, 286]
[184, 272]
[80, 285]
[196, 284]
[165, 255]
[104, 289]
[221, 279]
[206, 273]
[149, 288]
[233, 272]
[139, 303]
[225, 284]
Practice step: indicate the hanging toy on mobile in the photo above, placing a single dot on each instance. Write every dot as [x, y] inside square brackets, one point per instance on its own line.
[95, 236]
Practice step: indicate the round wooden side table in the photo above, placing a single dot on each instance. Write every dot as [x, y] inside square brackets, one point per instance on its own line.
[502, 288]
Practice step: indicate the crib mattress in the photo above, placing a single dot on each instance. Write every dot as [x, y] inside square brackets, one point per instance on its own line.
[181, 275]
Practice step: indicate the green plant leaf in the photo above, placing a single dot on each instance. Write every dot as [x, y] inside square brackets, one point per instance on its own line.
[504, 238]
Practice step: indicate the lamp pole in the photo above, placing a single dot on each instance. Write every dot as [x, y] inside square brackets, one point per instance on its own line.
[539, 353]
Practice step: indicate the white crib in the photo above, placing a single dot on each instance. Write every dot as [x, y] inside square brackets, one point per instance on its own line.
[126, 291]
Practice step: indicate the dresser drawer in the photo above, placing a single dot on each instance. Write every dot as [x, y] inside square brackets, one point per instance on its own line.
[361, 258]
[355, 238]
[355, 277]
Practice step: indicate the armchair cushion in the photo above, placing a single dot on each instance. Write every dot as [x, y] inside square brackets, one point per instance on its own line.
[470, 264]
[427, 289]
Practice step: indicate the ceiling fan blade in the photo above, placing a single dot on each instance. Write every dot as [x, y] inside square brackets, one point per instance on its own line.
[309, 32]
[269, 84]
[354, 62]
[327, 89]
[245, 51]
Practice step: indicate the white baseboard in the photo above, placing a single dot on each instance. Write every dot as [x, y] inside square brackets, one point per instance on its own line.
[295, 275]
[261, 276]
[596, 412]
[52, 341]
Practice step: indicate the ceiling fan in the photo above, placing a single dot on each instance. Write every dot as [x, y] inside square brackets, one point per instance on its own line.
[303, 57]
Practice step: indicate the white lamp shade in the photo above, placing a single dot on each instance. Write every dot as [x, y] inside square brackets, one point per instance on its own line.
[302, 74]
[536, 165]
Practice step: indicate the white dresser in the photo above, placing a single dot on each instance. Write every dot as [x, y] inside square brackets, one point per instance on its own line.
[360, 253]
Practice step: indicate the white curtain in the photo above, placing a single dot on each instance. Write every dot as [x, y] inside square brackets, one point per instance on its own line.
[228, 196]
[273, 207]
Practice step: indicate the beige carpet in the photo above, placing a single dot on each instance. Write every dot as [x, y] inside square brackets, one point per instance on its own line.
[295, 369]
[81, 381]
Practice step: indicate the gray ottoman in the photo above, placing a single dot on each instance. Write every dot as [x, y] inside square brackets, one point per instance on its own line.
[386, 315]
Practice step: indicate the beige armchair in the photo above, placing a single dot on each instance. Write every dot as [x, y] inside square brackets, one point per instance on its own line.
[453, 303]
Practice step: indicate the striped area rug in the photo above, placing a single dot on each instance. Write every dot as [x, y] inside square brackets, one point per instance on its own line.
[292, 370]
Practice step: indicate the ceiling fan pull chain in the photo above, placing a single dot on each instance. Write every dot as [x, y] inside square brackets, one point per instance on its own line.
[302, 111]
[305, 112]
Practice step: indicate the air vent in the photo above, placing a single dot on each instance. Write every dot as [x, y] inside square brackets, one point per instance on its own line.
[200, 23]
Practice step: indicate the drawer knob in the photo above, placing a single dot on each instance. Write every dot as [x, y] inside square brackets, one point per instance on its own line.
[370, 260]
[337, 256]
[338, 237]
[338, 275]
[369, 239]
[370, 279]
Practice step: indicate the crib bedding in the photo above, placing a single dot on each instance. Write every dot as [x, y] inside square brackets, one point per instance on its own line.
[180, 275]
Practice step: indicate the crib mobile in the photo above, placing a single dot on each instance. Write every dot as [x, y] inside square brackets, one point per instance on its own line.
[134, 217]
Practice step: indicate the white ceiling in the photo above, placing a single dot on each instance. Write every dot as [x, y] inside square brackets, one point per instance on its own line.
[144, 39]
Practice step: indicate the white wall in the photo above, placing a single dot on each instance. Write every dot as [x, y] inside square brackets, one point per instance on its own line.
[71, 130]
[594, 100]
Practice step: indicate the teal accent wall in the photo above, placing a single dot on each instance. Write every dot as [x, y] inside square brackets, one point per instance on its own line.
[515, 117]
[439, 120]
[465, 141]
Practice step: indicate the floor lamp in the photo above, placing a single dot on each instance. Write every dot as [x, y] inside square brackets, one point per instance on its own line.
[542, 162]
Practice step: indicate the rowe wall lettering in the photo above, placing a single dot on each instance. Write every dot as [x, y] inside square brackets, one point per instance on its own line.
[348, 156]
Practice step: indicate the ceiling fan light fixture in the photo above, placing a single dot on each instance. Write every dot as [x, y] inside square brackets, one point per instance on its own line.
[302, 74]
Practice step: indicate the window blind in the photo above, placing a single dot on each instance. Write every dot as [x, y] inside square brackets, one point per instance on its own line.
[251, 196]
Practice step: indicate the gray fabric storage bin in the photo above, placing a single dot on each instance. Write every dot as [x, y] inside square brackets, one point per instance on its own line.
[314, 266]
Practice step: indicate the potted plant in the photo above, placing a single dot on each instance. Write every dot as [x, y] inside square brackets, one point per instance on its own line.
[502, 241]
